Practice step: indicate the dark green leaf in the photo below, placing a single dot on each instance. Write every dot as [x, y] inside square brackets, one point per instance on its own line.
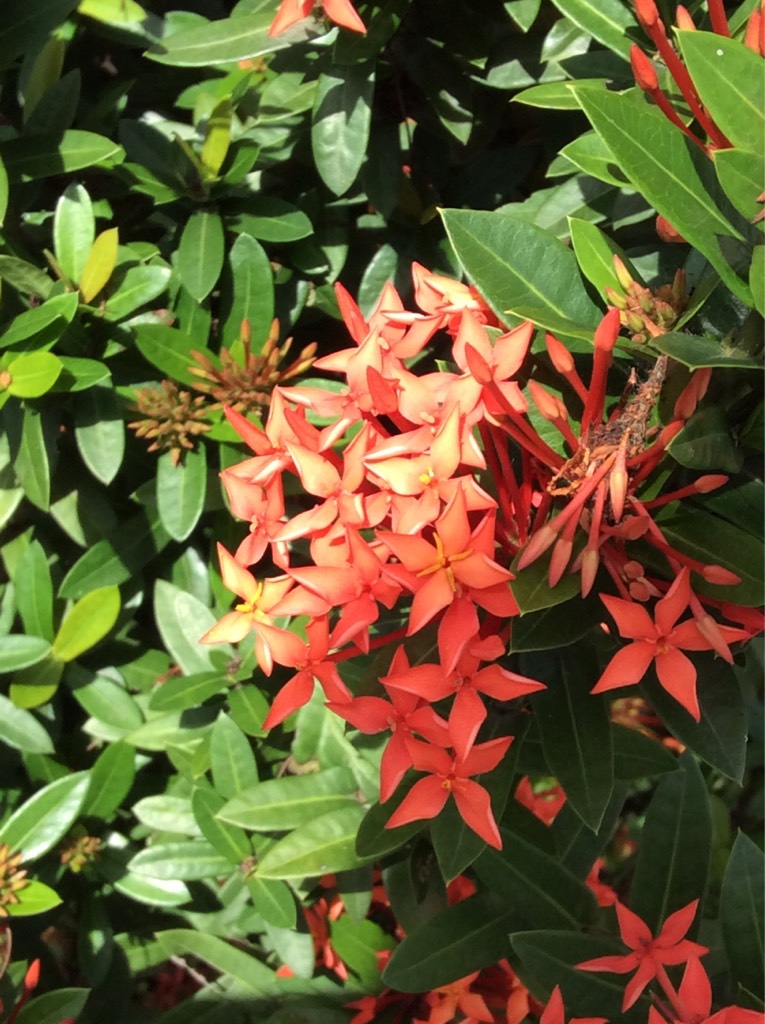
[742, 909]
[247, 970]
[53, 1007]
[247, 291]
[41, 156]
[637, 756]
[200, 253]
[608, 21]
[340, 124]
[532, 590]
[675, 846]
[22, 27]
[133, 287]
[577, 846]
[705, 443]
[557, 626]
[462, 939]
[273, 220]
[576, 734]
[696, 351]
[522, 269]
[740, 173]
[221, 42]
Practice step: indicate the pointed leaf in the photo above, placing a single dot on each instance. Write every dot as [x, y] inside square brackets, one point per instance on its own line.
[200, 253]
[325, 844]
[247, 290]
[742, 909]
[229, 841]
[111, 779]
[99, 265]
[186, 861]
[87, 623]
[248, 971]
[608, 21]
[20, 729]
[17, 651]
[233, 763]
[281, 804]
[342, 115]
[182, 619]
[74, 229]
[40, 822]
[181, 491]
[33, 374]
[99, 429]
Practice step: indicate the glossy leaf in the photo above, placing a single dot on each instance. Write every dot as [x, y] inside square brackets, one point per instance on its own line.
[253, 975]
[181, 491]
[36, 685]
[47, 320]
[40, 156]
[270, 219]
[33, 374]
[273, 900]
[705, 443]
[340, 125]
[739, 173]
[608, 21]
[281, 804]
[247, 290]
[233, 763]
[182, 619]
[34, 898]
[53, 1007]
[44, 818]
[32, 444]
[720, 737]
[165, 813]
[668, 170]
[595, 254]
[675, 847]
[34, 592]
[74, 230]
[200, 253]
[697, 351]
[100, 432]
[220, 42]
[557, 626]
[577, 846]
[461, 939]
[324, 844]
[637, 756]
[111, 779]
[183, 692]
[217, 137]
[21, 730]
[17, 651]
[133, 287]
[231, 842]
[728, 78]
[88, 622]
[99, 265]
[576, 734]
[168, 350]
[742, 909]
[185, 861]
[533, 592]
[522, 269]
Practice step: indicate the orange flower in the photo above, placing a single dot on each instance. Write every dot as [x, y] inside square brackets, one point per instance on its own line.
[292, 11]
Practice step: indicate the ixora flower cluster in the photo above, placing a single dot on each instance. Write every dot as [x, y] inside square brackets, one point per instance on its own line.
[420, 490]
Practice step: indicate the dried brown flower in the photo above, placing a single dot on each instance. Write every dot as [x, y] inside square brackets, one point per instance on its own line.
[12, 878]
[171, 418]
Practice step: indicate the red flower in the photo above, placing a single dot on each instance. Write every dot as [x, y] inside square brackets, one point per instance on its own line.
[292, 11]
[555, 1012]
[649, 954]
[660, 641]
[695, 999]
[447, 774]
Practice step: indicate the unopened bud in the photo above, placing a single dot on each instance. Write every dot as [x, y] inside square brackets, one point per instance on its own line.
[559, 560]
[647, 13]
[245, 332]
[711, 632]
[559, 355]
[643, 70]
[679, 294]
[613, 298]
[647, 303]
[607, 331]
[684, 20]
[590, 563]
[617, 490]
[635, 323]
[537, 546]
[721, 577]
[710, 482]
[623, 275]
[545, 403]
[479, 368]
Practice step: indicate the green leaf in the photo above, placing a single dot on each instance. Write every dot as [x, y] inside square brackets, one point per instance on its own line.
[88, 622]
[273, 220]
[374, 840]
[675, 846]
[37, 684]
[104, 699]
[705, 443]
[54, 1006]
[74, 230]
[558, 626]
[3, 193]
[720, 737]
[33, 374]
[55, 313]
[577, 846]
[532, 590]
[34, 592]
[25, 277]
[576, 734]
[117, 558]
[17, 651]
[41, 156]
[217, 137]
[549, 958]
[249, 972]
[739, 173]
[696, 351]
[182, 692]
[608, 21]
[168, 350]
[182, 619]
[248, 708]
[165, 813]
[461, 939]
[133, 287]
[99, 430]
[186, 861]
[637, 756]
[231, 842]
[153, 891]
[247, 290]
[21, 27]
[47, 816]
[742, 911]
[200, 253]
[341, 119]
[220, 42]
[181, 491]
[716, 542]
[520, 268]
[667, 169]
[595, 254]
[32, 444]
[273, 900]
[357, 944]
[757, 279]
[21, 730]
[728, 78]
[111, 779]
[34, 898]
[233, 763]
[326, 843]
[552, 95]
[281, 804]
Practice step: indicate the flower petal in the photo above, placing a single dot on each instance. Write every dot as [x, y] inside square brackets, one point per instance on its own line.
[632, 620]
[474, 805]
[627, 666]
[677, 675]
[425, 799]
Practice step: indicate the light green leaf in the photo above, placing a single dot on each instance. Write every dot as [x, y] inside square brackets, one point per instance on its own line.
[74, 229]
[34, 898]
[522, 269]
[221, 42]
[20, 729]
[251, 974]
[17, 651]
[233, 763]
[33, 374]
[135, 287]
[231, 842]
[182, 619]
[184, 861]
[325, 844]
[608, 21]
[247, 290]
[280, 804]
[99, 430]
[111, 779]
[43, 819]
[168, 350]
[34, 592]
[87, 623]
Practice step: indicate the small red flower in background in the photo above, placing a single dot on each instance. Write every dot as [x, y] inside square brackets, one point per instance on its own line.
[649, 955]
[555, 1012]
[544, 799]
[694, 1001]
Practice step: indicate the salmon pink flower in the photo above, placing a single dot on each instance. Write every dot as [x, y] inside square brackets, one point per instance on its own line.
[450, 775]
[661, 641]
[291, 12]
[648, 954]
